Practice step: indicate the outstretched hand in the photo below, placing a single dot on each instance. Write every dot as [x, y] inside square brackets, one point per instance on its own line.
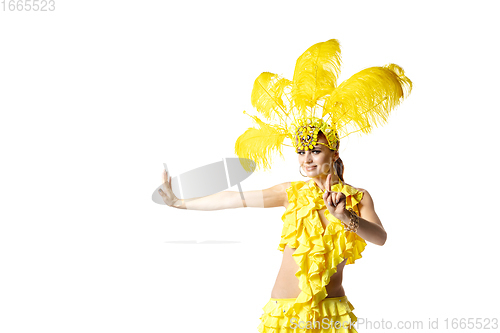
[334, 201]
[168, 195]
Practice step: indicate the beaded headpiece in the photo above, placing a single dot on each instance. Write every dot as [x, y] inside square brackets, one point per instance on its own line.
[307, 130]
[312, 102]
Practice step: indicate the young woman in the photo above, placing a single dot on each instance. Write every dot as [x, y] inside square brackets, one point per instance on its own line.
[326, 221]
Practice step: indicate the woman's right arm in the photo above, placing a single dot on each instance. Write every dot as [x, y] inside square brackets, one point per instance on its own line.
[275, 196]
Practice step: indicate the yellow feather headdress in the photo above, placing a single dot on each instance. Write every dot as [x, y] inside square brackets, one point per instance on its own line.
[312, 102]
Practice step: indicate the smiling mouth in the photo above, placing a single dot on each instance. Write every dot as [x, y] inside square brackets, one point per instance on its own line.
[310, 168]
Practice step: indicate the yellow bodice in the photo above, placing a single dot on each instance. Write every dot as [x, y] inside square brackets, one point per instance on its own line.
[318, 250]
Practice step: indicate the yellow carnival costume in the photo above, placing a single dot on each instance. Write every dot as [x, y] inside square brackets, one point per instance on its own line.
[299, 110]
[318, 251]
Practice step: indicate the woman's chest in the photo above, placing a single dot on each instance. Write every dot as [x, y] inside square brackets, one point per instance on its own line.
[321, 218]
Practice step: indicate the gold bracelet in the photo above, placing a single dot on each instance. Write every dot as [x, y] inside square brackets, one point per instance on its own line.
[354, 223]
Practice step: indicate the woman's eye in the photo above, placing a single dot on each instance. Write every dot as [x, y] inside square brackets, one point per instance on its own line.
[314, 151]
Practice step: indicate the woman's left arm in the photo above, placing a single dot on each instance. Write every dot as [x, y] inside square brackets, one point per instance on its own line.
[370, 228]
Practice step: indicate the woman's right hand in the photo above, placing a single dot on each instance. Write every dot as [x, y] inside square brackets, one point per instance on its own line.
[168, 195]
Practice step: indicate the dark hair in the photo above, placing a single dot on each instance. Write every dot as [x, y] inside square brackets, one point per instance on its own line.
[339, 167]
[338, 164]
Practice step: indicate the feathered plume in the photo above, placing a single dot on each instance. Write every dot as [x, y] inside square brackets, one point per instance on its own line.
[366, 99]
[358, 104]
[316, 73]
[267, 95]
[260, 145]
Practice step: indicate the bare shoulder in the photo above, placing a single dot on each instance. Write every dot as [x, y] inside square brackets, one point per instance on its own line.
[285, 196]
[281, 187]
[357, 188]
[366, 199]
[276, 195]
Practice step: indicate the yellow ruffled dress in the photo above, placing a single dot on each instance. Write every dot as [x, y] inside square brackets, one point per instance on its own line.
[318, 252]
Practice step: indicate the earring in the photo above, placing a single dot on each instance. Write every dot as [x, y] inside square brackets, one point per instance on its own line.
[300, 171]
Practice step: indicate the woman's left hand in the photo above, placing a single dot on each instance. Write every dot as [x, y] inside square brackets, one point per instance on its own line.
[334, 201]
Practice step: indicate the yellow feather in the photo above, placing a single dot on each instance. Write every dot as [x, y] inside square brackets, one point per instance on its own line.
[360, 103]
[260, 145]
[268, 93]
[367, 98]
[316, 73]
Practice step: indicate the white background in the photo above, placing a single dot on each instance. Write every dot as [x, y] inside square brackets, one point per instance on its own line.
[97, 95]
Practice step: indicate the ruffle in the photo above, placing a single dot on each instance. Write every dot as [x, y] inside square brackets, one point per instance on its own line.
[277, 317]
[318, 251]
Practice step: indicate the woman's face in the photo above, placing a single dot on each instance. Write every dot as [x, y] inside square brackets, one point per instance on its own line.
[316, 161]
